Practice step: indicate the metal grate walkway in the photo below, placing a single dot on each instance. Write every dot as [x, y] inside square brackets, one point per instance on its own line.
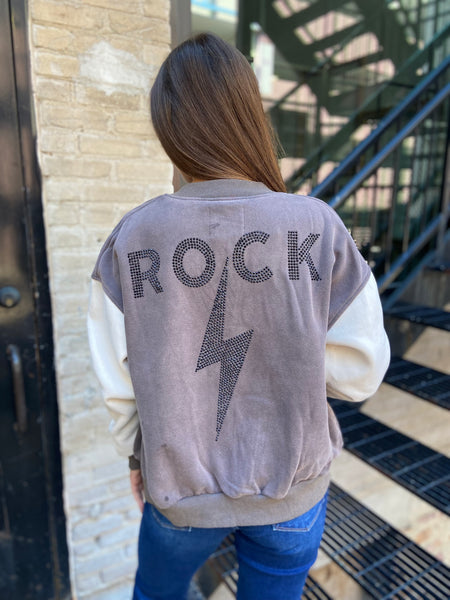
[426, 383]
[421, 470]
[381, 559]
[423, 315]
[224, 563]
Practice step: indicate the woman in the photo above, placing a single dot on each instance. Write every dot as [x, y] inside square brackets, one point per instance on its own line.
[221, 316]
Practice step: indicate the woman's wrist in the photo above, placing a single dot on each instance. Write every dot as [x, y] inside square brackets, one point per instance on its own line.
[133, 463]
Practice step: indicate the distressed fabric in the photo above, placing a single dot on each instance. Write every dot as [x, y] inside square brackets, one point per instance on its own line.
[228, 290]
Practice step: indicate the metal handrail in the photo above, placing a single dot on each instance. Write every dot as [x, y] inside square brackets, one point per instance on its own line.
[356, 154]
[415, 61]
[359, 27]
[397, 266]
[339, 198]
[320, 65]
[438, 224]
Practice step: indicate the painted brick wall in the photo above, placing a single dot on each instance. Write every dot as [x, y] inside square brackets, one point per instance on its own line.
[93, 62]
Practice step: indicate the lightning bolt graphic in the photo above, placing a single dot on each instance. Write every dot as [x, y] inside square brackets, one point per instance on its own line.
[230, 353]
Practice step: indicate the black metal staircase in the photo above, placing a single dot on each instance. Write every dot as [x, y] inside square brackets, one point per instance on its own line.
[358, 58]
[392, 190]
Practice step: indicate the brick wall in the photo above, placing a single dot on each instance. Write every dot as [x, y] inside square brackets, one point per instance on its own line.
[92, 66]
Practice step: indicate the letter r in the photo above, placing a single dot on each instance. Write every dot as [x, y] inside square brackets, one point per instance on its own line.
[138, 276]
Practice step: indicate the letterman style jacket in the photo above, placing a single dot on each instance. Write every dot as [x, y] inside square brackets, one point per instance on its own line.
[221, 317]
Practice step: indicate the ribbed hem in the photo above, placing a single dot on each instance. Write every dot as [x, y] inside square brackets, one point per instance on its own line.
[219, 510]
[217, 189]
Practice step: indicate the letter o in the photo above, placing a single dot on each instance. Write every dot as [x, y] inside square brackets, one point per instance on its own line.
[178, 267]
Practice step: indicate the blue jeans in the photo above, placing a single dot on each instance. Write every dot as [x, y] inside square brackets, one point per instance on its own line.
[273, 559]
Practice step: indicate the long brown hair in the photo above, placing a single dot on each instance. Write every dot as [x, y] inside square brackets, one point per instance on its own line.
[207, 113]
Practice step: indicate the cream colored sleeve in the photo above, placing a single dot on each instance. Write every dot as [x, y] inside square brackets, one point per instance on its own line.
[106, 331]
[357, 348]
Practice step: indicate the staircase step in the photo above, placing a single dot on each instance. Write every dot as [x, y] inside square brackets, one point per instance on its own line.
[335, 38]
[224, 563]
[419, 380]
[409, 463]
[424, 315]
[337, 68]
[382, 560]
[310, 13]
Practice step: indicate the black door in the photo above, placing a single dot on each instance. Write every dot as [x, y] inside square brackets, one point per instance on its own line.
[33, 553]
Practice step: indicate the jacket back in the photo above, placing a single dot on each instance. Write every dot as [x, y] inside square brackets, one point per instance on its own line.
[228, 290]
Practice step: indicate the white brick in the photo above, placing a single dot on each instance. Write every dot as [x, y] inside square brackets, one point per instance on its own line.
[98, 561]
[77, 481]
[90, 529]
[131, 550]
[85, 548]
[118, 592]
[139, 170]
[101, 146]
[95, 511]
[84, 135]
[119, 504]
[133, 513]
[74, 167]
[66, 213]
[120, 485]
[157, 9]
[76, 404]
[56, 65]
[128, 7]
[53, 38]
[118, 572]
[62, 13]
[155, 54]
[112, 471]
[88, 583]
[47, 88]
[124, 534]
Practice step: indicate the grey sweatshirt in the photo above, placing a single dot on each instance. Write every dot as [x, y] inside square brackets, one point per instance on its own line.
[228, 291]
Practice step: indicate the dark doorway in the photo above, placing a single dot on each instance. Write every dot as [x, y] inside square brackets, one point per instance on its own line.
[33, 551]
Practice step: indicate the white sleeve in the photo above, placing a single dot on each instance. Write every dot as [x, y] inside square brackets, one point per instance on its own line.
[357, 351]
[106, 331]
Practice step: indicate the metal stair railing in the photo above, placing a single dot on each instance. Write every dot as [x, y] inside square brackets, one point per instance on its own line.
[327, 186]
[340, 85]
[416, 151]
[423, 59]
[302, 55]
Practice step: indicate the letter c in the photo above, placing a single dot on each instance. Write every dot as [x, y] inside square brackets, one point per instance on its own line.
[238, 257]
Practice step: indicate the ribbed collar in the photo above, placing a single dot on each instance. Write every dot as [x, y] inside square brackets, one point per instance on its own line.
[222, 188]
